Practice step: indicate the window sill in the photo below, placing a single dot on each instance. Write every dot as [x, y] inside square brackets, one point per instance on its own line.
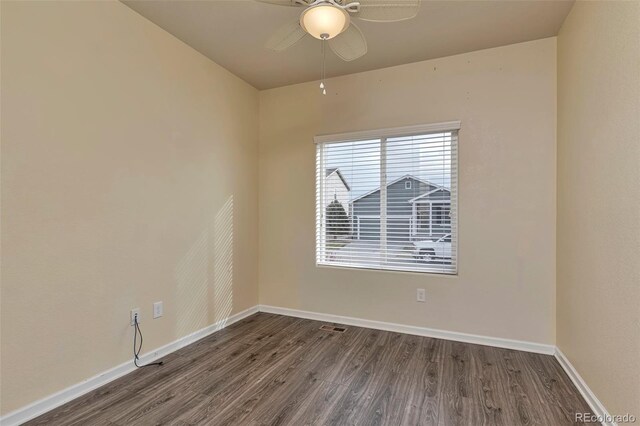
[447, 274]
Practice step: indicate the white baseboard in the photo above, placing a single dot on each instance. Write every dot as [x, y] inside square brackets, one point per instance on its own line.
[518, 345]
[598, 408]
[50, 402]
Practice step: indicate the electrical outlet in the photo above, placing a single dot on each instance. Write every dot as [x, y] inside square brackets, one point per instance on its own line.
[421, 295]
[157, 310]
[135, 312]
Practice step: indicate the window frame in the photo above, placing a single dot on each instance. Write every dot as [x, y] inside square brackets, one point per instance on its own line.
[383, 135]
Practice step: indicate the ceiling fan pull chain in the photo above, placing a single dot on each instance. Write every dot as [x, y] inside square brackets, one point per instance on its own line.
[322, 73]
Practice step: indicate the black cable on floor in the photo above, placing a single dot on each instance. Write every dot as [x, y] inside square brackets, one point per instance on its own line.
[136, 351]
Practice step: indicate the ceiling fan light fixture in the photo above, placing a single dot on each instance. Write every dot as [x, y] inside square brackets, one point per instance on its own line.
[324, 21]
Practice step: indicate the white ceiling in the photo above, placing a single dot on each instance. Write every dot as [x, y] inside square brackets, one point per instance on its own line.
[233, 32]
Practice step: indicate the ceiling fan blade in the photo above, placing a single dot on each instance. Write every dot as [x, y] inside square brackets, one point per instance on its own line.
[286, 2]
[387, 10]
[350, 44]
[286, 36]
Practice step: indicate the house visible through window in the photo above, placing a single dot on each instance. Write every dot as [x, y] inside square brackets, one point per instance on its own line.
[388, 199]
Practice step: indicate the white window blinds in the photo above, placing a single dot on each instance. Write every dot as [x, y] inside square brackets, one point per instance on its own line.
[388, 199]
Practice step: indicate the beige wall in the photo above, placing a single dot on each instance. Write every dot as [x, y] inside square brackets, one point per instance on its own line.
[129, 175]
[506, 100]
[598, 277]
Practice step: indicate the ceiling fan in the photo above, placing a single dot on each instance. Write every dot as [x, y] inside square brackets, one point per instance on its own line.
[330, 21]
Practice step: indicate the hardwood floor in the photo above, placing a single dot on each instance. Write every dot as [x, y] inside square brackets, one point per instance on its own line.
[277, 370]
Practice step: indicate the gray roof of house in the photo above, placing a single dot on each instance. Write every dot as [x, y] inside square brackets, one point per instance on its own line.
[332, 170]
[407, 176]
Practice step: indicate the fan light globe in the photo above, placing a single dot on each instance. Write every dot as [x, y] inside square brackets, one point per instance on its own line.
[324, 21]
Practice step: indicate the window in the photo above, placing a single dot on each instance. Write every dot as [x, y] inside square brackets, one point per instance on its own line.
[387, 199]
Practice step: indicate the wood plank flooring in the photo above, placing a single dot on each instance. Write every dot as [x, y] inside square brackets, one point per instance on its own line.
[277, 370]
